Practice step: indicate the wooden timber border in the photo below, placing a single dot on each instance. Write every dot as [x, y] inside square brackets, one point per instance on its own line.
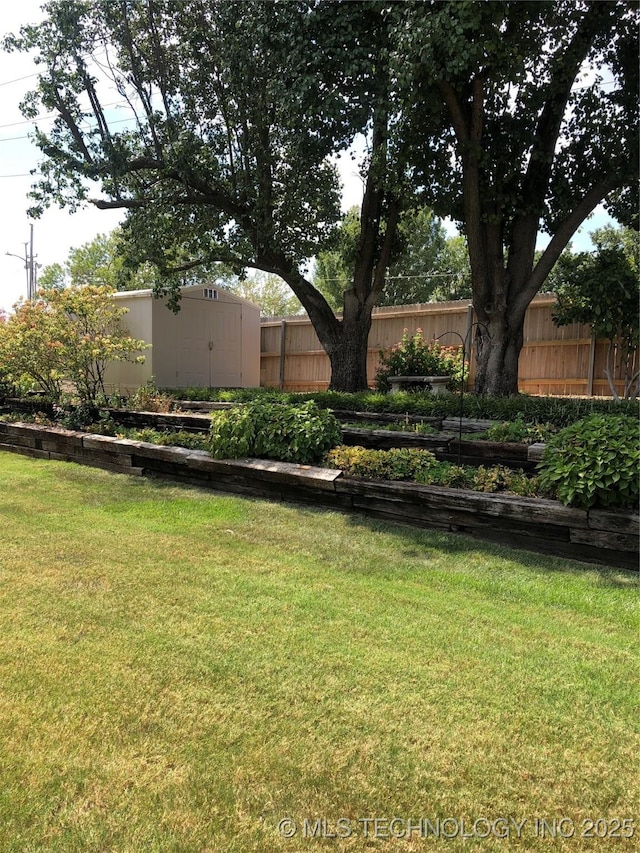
[608, 537]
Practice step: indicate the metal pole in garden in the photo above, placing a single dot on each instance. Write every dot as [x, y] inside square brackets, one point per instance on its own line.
[465, 341]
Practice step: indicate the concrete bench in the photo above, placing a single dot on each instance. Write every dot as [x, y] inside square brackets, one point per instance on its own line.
[435, 384]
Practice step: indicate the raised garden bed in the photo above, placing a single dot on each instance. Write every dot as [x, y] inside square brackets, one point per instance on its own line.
[599, 536]
[448, 447]
[445, 445]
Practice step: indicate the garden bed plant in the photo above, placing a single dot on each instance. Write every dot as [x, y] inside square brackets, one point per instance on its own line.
[508, 432]
[602, 469]
[557, 411]
[593, 462]
[421, 466]
[414, 356]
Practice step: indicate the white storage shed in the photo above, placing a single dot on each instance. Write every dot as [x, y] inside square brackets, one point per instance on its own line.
[212, 342]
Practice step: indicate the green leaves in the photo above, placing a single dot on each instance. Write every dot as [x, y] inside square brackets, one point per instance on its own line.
[603, 288]
[272, 430]
[414, 356]
[594, 462]
[70, 334]
[406, 463]
[413, 464]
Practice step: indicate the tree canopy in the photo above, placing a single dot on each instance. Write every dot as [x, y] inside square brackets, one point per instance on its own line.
[602, 288]
[99, 262]
[425, 266]
[237, 108]
[499, 114]
[525, 117]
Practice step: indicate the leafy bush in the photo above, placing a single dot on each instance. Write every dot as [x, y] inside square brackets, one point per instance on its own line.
[67, 335]
[450, 476]
[414, 356]
[520, 432]
[421, 466]
[594, 462]
[397, 464]
[499, 478]
[272, 430]
[169, 438]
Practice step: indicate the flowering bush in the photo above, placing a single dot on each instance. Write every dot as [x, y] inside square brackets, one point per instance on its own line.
[66, 335]
[413, 356]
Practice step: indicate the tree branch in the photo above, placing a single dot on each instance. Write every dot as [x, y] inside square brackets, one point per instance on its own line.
[567, 66]
[458, 120]
[123, 203]
[563, 234]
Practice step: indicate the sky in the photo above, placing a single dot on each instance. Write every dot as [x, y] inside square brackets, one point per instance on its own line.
[58, 231]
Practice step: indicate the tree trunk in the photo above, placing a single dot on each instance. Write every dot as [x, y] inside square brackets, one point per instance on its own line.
[345, 341]
[498, 345]
[348, 354]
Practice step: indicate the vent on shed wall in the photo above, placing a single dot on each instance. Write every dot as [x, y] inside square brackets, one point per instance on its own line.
[210, 293]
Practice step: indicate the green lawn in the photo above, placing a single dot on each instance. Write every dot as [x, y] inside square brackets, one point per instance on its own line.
[180, 670]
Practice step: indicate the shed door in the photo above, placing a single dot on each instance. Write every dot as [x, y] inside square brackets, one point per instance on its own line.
[209, 344]
[226, 345]
[192, 344]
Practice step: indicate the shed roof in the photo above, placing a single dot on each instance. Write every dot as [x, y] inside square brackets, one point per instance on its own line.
[186, 290]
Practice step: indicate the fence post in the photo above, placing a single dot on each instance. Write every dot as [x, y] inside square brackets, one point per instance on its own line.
[592, 361]
[467, 337]
[283, 350]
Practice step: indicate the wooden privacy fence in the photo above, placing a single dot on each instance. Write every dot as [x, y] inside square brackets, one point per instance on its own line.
[562, 361]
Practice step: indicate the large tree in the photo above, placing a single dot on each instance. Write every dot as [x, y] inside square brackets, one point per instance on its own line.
[238, 108]
[99, 262]
[534, 105]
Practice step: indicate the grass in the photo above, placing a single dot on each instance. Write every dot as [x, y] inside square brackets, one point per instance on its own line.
[180, 670]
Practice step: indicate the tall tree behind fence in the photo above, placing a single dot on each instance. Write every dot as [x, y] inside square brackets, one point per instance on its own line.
[554, 360]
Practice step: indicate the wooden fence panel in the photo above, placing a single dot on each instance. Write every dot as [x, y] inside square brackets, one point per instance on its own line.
[554, 360]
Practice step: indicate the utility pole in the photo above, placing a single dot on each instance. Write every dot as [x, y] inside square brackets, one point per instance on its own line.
[31, 291]
[29, 264]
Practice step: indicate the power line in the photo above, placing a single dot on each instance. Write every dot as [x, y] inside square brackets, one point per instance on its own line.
[23, 175]
[27, 136]
[50, 115]
[405, 277]
[18, 79]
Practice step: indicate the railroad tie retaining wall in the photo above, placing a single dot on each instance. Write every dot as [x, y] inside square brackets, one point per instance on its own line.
[601, 536]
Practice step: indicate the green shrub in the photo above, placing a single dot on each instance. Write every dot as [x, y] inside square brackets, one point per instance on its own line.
[448, 475]
[594, 462]
[520, 432]
[402, 463]
[273, 430]
[421, 466]
[413, 356]
[169, 438]
[499, 478]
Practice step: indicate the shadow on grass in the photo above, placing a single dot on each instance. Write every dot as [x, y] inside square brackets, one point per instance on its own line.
[412, 540]
[415, 539]
[461, 544]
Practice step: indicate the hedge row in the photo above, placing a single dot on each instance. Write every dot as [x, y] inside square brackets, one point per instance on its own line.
[558, 411]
